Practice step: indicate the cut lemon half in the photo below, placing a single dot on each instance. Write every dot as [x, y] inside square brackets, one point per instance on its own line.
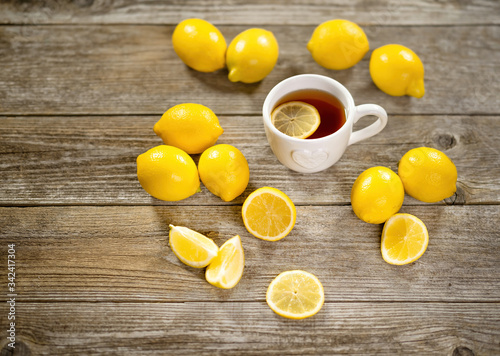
[191, 247]
[269, 214]
[296, 119]
[295, 295]
[404, 239]
[226, 269]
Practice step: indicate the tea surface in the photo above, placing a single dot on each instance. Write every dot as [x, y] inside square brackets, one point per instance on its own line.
[330, 109]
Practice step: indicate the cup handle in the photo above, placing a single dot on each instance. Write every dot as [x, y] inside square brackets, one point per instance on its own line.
[373, 129]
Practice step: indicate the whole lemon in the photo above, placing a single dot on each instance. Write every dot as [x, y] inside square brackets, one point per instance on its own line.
[397, 71]
[252, 55]
[190, 127]
[377, 194]
[338, 44]
[200, 45]
[167, 173]
[428, 174]
[224, 171]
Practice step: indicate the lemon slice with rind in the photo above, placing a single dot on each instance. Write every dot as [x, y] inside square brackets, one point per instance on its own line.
[269, 214]
[296, 119]
[191, 247]
[404, 239]
[226, 269]
[295, 294]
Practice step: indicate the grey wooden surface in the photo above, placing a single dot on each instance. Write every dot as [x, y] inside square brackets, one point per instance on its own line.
[83, 82]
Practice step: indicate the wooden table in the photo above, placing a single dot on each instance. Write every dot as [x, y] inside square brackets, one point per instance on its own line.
[81, 85]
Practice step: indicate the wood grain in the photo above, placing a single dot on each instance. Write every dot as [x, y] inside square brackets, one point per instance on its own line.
[122, 254]
[83, 82]
[116, 69]
[251, 13]
[91, 160]
[236, 328]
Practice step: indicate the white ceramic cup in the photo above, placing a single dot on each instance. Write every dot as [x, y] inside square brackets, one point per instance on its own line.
[314, 155]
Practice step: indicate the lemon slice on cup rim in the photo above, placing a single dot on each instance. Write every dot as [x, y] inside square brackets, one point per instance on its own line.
[296, 119]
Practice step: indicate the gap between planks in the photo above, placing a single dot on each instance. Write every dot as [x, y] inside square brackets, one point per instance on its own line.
[256, 301]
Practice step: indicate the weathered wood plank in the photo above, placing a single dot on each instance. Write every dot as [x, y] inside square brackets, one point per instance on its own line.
[235, 328]
[122, 254]
[134, 70]
[251, 13]
[91, 160]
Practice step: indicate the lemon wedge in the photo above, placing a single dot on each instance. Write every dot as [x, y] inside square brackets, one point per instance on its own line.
[226, 269]
[269, 214]
[296, 119]
[191, 247]
[404, 239]
[295, 294]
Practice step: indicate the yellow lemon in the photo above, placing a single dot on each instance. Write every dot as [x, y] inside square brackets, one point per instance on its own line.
[296, 119]
[226, 270]
[295, 295]
[428, 174]
[377, 194]
[404, 239]
[338, 44]
[191, 247]
[224, 171]
[167, 173]
[397, 71]
[252, 55]
[200, 45]
[190, 127]
[269, 214]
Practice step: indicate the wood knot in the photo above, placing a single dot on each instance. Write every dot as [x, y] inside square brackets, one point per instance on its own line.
[462, 351]
[445, 141]
[21, 349]
[211, 234]
[456, 199]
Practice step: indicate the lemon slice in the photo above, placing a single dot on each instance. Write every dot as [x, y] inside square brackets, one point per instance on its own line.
[269, 214]
[296, 119]
[295, 295]
[404, 239]
[191, 247]
[226, 269]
